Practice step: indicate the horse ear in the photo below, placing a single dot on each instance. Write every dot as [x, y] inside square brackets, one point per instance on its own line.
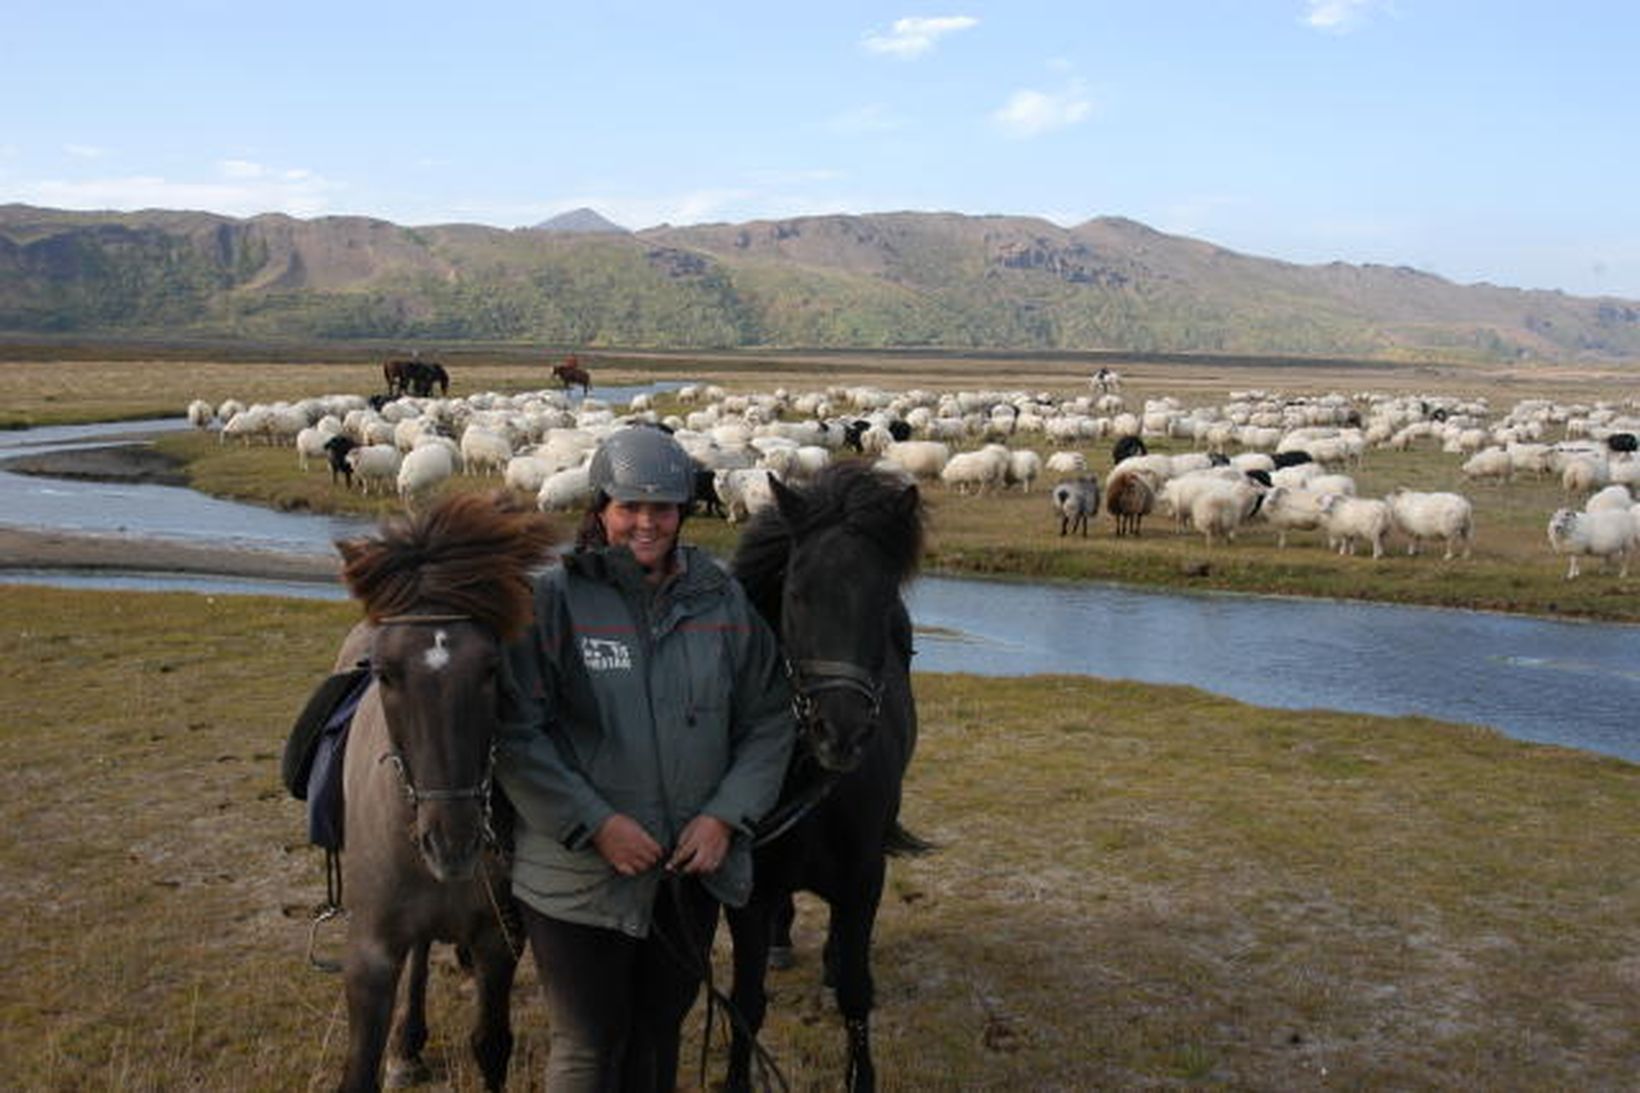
[788, 501]
[909, 501]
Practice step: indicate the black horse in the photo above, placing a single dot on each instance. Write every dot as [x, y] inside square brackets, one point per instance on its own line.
[415, 377]
[825, 565]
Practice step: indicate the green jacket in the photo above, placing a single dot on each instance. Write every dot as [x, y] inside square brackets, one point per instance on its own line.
[660, 704]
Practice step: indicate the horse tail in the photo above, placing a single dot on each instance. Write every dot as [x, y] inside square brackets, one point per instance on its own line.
[901, 843]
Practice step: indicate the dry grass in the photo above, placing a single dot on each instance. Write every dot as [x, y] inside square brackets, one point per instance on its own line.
[1136, 887]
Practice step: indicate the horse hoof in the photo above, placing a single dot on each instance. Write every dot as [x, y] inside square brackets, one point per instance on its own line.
[404, 1073]
[781, 957]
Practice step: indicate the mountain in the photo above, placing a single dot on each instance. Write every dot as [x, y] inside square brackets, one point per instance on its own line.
[902, 279]
[579, 220]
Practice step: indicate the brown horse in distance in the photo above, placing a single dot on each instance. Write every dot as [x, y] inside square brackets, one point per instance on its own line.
[570, 373]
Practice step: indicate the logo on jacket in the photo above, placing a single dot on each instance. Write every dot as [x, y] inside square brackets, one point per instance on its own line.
[604, 655]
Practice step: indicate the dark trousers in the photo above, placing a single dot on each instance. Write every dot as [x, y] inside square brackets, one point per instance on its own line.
[616, 1003]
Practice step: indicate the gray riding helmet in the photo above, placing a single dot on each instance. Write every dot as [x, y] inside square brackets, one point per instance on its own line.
[639, 463]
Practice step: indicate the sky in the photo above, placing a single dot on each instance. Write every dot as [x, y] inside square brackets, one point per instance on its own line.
[1480, 140]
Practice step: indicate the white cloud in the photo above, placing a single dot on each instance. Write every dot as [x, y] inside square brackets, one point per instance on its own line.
[1030, 113]
[1338, 16]
[240, 168]
[305, 194]
[85, 151]
[913, 36]
[863, 120]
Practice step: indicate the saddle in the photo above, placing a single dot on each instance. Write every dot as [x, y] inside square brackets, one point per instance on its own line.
[311, 767]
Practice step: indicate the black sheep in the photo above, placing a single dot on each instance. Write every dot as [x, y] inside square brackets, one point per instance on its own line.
[1127, 447]
[336, 449]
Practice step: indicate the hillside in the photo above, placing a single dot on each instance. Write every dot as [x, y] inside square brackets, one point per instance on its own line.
[882, 280]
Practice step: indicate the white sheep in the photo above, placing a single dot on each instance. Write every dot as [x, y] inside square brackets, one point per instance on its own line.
[422, 469]
[1349, 519]
[200, 414]
[1420, 516]
[1288, 509]
[566, 489]
[1177, 495]
[1023, 468]
[1605, 534]
[526, 473]
[375, 463]
[1489, 463]
[1612, 497]
[1067, 463]
[742, 492]
[984, 469]
[1076, 502]
[1583, 475]
[1223, 507]
[484, 451]
[918, 458]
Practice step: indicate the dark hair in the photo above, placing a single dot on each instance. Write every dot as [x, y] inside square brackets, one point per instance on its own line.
[590, 535]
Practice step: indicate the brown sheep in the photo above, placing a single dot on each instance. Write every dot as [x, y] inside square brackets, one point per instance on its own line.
[1129, 496]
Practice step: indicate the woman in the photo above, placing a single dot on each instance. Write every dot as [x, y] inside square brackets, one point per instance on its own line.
[648, 730]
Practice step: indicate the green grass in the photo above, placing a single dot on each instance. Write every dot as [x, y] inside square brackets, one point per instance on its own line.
[1135, 886]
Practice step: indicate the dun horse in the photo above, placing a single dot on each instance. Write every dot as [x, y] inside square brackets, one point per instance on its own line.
[825, 566]
[441, 592]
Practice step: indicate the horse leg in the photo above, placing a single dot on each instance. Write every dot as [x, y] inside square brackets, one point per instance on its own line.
[749, 928]
[849, 940]
[494, 964]
[372, 979]
[781, 953]
[404, 1062]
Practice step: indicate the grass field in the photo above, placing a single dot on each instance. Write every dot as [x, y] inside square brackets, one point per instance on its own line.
[1135, 886]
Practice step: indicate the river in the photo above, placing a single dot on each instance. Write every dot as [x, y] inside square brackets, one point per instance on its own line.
[1570, 683]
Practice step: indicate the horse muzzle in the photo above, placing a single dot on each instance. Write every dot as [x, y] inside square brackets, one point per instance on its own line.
[450, 846]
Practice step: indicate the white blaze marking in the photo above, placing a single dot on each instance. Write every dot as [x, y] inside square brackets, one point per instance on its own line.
[438, 656]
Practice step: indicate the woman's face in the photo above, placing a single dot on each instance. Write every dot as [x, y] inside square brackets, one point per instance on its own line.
[649, 529]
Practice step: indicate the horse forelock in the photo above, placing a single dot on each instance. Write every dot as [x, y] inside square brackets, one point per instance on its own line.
[468, 554]
[869, 504]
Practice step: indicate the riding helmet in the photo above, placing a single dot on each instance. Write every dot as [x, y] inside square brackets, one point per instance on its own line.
[640, 463]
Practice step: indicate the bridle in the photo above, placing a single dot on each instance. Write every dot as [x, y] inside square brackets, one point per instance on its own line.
[809, 677]
[478, 791]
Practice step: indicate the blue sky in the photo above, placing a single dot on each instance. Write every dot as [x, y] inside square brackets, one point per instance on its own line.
[1482, 141]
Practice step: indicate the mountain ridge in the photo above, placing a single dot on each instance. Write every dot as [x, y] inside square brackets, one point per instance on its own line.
[877, 280]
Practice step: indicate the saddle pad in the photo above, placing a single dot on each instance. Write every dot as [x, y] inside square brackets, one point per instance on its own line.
[330, 707]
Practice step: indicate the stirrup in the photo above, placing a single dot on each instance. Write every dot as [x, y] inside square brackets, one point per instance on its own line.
[321, 915]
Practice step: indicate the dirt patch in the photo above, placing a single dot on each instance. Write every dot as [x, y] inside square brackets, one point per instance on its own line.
[21, 548]
[116, 463]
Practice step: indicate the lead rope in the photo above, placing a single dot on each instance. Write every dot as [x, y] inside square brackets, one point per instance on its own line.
[697, 959]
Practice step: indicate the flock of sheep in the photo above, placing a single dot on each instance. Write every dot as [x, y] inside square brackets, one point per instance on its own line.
[1257, 457]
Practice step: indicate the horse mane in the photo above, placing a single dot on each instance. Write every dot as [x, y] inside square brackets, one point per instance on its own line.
[468, 554]
[876, 505]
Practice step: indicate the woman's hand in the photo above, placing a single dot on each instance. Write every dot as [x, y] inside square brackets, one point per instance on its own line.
[702, 846]
[626, 846]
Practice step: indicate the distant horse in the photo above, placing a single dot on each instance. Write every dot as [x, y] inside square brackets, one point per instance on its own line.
[825, 565]
[415, 377]
[570, 373]
[441, 592]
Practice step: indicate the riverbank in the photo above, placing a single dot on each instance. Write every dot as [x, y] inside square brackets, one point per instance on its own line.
[25, 548]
